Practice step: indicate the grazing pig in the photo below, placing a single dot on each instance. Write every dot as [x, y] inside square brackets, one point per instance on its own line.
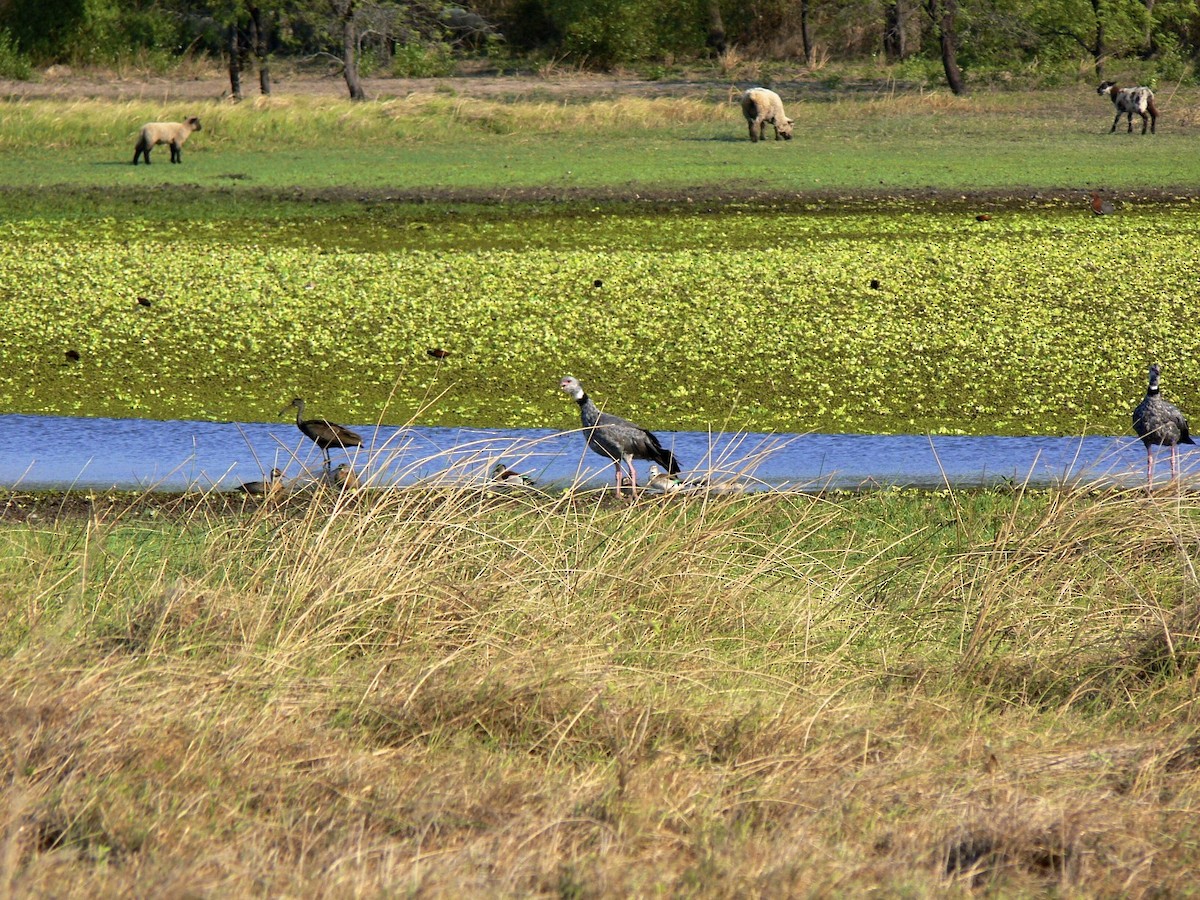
[173, 133]
[1128, 101]
[762, 107]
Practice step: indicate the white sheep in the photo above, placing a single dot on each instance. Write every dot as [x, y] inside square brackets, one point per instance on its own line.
[1128, 101]
[173, 133]
[762, 107]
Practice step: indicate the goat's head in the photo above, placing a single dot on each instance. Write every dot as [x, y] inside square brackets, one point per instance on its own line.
[1107, 87]
[785, 129]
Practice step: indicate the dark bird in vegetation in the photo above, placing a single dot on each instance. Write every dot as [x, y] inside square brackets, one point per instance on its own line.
[1158, 422]
[1101, 207]
[266, 488]
[322, 433]
[143, 301]
[598, 283]
[438, 352]
[983, 217]
[72, 355]
[502, 474]
[874, 284]
[618, 439]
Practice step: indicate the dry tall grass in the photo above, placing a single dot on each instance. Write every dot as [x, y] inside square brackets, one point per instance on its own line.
[265, 123]
[465, 692]
[308, 121]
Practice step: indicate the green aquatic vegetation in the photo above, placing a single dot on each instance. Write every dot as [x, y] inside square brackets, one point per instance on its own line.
[895, 319]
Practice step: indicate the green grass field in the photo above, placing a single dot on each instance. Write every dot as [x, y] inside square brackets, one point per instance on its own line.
[877, 142]
[735, 277]
[426, 692]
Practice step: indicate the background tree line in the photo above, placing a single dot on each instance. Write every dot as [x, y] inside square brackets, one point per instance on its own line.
[964, 39]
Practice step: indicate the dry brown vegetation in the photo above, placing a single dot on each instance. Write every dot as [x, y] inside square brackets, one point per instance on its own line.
[449, 692]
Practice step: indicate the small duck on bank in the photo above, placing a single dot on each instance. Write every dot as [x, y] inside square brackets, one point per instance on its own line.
[502, 474]
[271, 486]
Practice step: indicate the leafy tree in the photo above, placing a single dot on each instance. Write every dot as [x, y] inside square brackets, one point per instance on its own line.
[90, 31]
[1100, 28]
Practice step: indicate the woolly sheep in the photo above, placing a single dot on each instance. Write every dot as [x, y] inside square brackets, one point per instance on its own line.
[1128, 101]
[173, 133]
[762, 107]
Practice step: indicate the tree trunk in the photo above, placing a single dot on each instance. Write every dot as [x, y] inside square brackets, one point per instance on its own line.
[943, 13]
[716, 27]
[235, 63]
[1098, 48]
[350, 53]
[258, 35]
[1149, 44]
[894, 42]
[805, 34]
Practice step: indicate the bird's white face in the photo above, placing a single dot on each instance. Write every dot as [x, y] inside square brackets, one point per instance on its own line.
[655, 471]
[571, 387]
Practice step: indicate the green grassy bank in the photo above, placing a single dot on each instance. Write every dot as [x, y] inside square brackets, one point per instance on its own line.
[873, 141]
[839, 282]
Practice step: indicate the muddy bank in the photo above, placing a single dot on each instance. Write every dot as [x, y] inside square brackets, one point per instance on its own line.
[698, 198]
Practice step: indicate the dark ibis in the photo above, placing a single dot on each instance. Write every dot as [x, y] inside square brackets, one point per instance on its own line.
[325, 435]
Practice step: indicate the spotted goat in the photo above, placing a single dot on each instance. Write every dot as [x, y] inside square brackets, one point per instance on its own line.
[1128, 101]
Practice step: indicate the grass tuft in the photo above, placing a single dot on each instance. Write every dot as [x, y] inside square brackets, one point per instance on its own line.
[445, 689]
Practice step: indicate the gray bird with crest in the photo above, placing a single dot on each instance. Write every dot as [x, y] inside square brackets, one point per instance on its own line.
[1157, 421]
[618, 439]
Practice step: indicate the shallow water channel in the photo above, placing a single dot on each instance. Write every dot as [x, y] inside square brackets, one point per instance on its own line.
[49, 452]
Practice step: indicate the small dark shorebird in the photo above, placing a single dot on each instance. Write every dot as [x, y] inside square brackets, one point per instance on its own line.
[1158, 422]
[618, 439]
[322, 433]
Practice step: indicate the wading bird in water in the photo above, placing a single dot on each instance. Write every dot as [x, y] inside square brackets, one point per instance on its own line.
[618, 439]
[1157, 421]
[322, 433]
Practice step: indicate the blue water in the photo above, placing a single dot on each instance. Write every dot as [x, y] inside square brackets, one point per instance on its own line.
[40, 452]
